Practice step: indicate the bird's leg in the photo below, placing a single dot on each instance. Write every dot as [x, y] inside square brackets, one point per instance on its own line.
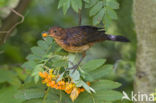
[76, 65]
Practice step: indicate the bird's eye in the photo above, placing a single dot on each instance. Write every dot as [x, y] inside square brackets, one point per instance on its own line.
[55, 31]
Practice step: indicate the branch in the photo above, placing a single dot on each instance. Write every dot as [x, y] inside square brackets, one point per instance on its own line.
[9, 23]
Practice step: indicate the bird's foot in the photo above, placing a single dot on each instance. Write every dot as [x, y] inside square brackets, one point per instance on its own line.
[74, 67]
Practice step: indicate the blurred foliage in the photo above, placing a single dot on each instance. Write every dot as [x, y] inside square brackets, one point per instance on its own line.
[39, 17]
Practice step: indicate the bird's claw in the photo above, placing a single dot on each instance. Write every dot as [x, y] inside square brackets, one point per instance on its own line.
[73, 68]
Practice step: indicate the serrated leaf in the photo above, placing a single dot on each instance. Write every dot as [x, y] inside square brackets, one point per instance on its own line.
[107, 21]
[60, 4]
[29, 65]
[32, 57]
[87, 1]
[98, 18]
[108, 95]
[49, 40]
[60, 63]
[38, 68]
[66, 6]
[104, 71]
[87, 87]
[37, 51]
[93, 64]
[112, 14]
[42, 44]
[84, 98]
[91, 3]
[28, 94]
[105, 85]
[96, 8]
[76, 5]
[112, 4]
[34, 101]
[74, 75]
[9, 77]
[7, 95]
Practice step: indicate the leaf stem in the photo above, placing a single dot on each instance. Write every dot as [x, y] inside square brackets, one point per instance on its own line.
[46, 94]
[60, 96]
[93, 98]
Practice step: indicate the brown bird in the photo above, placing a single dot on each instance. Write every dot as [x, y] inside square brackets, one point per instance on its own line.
[80, 38]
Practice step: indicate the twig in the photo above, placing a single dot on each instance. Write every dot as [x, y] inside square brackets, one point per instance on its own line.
[11, 21]
[19, 22]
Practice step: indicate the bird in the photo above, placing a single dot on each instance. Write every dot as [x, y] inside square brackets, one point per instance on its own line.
[79, 39]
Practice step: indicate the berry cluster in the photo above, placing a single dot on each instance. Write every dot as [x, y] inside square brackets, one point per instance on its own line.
[50, 80]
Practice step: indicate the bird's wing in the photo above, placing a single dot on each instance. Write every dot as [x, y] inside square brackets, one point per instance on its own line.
[82, 35]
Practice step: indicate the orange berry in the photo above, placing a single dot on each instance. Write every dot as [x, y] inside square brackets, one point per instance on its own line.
[49, 77]
[88, 83]
[63, 87]
[55, 85]
[82, 89]
[68, 91]
[52, 83]
[48, 84]
[45, 81]
[44, 34]
[61, 83]
[41, 75]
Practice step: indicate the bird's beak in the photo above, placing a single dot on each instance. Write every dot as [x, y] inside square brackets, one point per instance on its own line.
[45, 34]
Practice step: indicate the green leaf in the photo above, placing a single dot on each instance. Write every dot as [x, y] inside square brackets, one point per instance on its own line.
[43, 45]
[98, 18]
[7, 95]
[91, 3]
[20, 73]
[76, 5]
[49, 40]
[66, 6]
[60, 63]
[105, 85]
[28, 94]
[107, 21]
[32, 57]
[37, 51]
[104, 71]
[3, 3]
[112, 14]
[29, 65]
[38, 68]
[84, 98]
[60, 4]
[96, 8]
[108, 95]
[34, 101]
[87, 88]
[9, 77]
[93, 64]
[60, 77]
[87, 1]
[74, 75]
[112, 4]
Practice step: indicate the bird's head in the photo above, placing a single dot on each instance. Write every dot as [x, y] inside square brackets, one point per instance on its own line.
[56, 32]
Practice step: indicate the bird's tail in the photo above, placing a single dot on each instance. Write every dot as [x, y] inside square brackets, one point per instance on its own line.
[117, 38]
